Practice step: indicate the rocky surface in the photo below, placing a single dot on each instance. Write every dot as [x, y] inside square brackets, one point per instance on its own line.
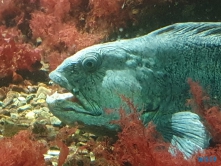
[23, 107]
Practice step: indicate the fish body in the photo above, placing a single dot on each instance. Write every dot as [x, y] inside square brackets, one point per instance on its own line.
[152, 71]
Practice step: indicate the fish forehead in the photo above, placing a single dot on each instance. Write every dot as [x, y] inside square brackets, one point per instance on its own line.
[111, 55]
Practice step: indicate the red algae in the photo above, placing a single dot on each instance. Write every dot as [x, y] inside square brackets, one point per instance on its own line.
[138, 145]
[67, 26]
[15, 54]
[212, 114]
[212, 120]
[64, 151]
[61, 141]
[21, 150]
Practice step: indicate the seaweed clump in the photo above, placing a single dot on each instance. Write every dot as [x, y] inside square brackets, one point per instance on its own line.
[15, 54]
[137, 144]
[144, 146]
[59, 28]
[22, 149]
[210, 112]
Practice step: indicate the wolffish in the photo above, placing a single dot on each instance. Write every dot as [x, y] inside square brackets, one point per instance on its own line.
[152, 71]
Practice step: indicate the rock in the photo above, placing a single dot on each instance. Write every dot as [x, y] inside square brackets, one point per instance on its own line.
[55, 121]
[38, 41]
[15, 103]
[46, 109]
[53, 152]
[39, 128]
[5, 112]
[32, 89]
[19, 88]
[42, 96]
[43, 90]
[14, 115]
[37, 111]
[30, 115]
[41, 101]
[83, 151]
[11, 128]
[40, 113]
[92, 156]
[21, 103]
[20, 98]
[24, 108]
[45, 121]
[29, 98]
[2, 94]
[9, 98]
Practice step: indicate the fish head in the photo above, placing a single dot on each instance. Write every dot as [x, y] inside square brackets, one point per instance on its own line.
[97, 76]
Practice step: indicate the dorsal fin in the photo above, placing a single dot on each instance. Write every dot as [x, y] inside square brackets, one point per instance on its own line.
[191, 28]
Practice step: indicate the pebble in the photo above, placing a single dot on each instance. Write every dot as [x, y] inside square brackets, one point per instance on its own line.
[20, 98]
[30, 115]
[55, 121]
[37, 111]
[29, 98]
[43, 90]
[92, 156]
[14, 115]
[83, 151]
[41, 113]
[44, 121]
[2, 94]
[24, 108]
[38, 41]
[42, 96]
[5, 112]
[15, 103]
[18, 88]
[46, 109]
[9, 98]
[41, 101]
[32, 89]
[53, 152]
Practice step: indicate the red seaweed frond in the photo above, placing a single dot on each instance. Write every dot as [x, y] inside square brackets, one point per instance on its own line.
[211, 114]
[201, 104]
[137, 144]
[21, 149]
[61, 141]
[14, 54]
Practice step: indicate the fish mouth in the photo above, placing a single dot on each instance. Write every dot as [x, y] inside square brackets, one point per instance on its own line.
[72, 101]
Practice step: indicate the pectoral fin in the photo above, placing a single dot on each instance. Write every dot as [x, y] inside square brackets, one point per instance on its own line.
[186, 133]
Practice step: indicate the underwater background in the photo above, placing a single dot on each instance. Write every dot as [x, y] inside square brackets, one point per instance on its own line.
[37, 35]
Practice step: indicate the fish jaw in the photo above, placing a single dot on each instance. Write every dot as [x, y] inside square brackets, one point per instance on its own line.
[68, 112]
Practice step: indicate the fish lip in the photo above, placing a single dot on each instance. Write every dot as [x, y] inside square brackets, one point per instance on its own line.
[64, 96]
[60, 80]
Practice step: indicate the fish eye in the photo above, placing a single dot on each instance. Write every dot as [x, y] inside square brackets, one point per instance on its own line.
[90, 63]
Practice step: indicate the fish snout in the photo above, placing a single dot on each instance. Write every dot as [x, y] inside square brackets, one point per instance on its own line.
[61, 80]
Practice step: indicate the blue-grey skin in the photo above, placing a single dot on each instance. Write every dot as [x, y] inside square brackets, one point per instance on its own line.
[152, 71]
